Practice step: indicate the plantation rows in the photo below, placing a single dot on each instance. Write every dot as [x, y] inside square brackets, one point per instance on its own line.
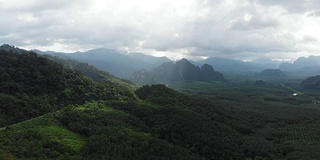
[305, 132]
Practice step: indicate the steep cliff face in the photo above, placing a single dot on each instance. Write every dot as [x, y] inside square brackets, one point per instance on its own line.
[184, 70]
[143, 77]
[166, 71]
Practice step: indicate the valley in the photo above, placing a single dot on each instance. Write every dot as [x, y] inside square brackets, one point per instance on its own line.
[272, 113]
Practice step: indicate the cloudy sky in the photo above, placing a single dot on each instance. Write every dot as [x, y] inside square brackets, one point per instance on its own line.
[239, 29]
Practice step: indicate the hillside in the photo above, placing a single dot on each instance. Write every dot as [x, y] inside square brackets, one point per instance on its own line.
[31, 86]
[92, 72]
[312, 82]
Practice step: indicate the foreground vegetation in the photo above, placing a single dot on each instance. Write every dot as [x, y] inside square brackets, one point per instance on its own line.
[280, 114]
[74, 111]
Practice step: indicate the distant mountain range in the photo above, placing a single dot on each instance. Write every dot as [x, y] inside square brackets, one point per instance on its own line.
[236, 66]
[303, 66]
[124, 65]
[112, 61]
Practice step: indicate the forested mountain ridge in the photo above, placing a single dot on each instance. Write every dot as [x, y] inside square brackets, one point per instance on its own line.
[182, 70]
[31, 86]
[9, 48]
[112, 61]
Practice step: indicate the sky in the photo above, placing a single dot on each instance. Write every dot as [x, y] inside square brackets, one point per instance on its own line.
[239, 29]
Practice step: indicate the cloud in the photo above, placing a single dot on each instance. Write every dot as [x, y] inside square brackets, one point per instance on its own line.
[311, 39]
[250, 22]
[314, 14]
[36, 5]
[294, 6]
[225, 28]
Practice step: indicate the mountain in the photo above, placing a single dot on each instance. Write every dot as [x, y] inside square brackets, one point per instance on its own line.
[143, 77]
[229, 65]
[209, 74]
[32, 86]
[124, 65]
[151, 60]
[309, 61]
[12, 49]
[184, 70]
[275, 73]
[92, 72]
[312, 82]
[52, 53]
[113, 61]
[303, 66]
[236, 66]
